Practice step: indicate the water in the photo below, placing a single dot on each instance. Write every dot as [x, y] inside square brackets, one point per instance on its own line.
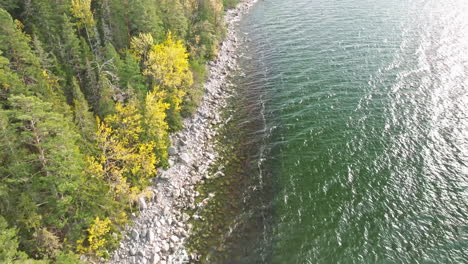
[361, 137]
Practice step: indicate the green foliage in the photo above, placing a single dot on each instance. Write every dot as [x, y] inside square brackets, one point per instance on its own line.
[9, 253]
[67, 182]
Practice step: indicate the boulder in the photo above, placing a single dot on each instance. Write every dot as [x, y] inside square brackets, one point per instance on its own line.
[172, 151]
[150, 236]
[185, 158]
[174, 239]
[155, 258]
[142, 203]
[185, 217]
[157, 249]
[135, 235]
[165, 247]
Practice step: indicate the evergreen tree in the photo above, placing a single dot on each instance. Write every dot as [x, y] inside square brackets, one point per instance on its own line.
[68, 182]
[83, 118]
[53, 174]
[9, 247]
[174, 17]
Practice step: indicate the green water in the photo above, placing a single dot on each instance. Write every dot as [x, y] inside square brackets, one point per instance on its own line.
[361, 150]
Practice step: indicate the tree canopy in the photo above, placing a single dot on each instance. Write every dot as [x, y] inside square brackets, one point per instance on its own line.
[89, 92]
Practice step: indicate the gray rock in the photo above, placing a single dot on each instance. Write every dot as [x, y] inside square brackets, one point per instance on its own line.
[141, 253]
[132, 252]
[157, 249]
[165, 247]
[150, 236]
[135, 235]
[185, 158]
[142, 203]
[143, 235]
[219, 174]
[174, 239]
[185, 217]
[172, 151]
[155, 259]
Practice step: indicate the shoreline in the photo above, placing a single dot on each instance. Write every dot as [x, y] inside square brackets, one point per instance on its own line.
[159, 233]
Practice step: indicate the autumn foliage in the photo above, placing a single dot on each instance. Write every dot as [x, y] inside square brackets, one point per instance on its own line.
[89, 94]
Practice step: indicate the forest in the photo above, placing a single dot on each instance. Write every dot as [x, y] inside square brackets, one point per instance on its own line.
[90, 91]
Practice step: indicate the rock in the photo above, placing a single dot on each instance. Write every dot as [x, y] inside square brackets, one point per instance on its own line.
[150, 236]
[135, 234]
[141, 253]
[176, 193]
[142, 203]
[172, 151]
[174, 239]
[171, 163]
[143, 235]
[132, 252]
[219, 174]
[185, 158]
[185, 217]
[165, 247]
[155, 259]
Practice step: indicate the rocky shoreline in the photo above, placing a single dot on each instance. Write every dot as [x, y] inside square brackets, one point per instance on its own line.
[158, 234]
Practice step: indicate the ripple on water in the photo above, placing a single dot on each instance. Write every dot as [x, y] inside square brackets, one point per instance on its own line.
[365, 130]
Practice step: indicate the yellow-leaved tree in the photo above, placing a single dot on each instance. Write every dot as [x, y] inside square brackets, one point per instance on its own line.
[168, 66]
[156, 125]
[81, 9]
[96, 240]
[141, 45]
[126, 162]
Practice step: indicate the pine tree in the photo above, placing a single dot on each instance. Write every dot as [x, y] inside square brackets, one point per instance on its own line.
[9, 80]
[9, 247]
[174, 17]
[52, 168]
[131, 78]
[83, 118]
